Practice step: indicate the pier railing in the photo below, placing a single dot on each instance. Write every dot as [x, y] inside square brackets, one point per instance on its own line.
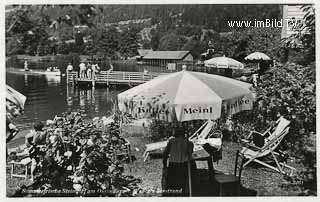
[113, 77]
[72, 77]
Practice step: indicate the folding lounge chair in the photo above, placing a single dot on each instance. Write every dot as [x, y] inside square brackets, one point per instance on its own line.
[201, 133]
[281, 125]
[254, 154]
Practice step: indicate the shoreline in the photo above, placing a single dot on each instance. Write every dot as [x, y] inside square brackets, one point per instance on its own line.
[17, 143]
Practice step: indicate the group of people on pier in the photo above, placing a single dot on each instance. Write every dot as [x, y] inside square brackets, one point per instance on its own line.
[85, 71]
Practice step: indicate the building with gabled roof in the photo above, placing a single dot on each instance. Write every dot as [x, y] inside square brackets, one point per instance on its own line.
[162, 58]
[143, 52]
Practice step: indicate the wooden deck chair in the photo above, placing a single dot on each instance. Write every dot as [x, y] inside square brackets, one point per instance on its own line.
[259, 139]
[254, 154]
[202, 132]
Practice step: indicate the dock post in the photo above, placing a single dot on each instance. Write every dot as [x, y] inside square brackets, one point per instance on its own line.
[75, 78]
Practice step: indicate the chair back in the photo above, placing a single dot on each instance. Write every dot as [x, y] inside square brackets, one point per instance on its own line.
[205, 130]
[240, 159]
[272, 144]
[282, 124]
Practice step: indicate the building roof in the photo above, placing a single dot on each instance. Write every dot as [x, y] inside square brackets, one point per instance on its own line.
[143, 52]
[169, 55]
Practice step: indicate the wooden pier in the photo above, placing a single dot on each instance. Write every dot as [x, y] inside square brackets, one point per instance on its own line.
[111, 78]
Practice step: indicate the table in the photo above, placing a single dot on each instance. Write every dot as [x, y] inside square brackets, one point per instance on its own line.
[203, 155]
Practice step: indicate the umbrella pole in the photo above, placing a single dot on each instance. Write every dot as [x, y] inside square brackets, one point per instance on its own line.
[189, 169]
[189, 176]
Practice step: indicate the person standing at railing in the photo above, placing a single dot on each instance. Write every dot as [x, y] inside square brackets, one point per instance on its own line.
[97, 68]
[25, 65]
[145, 72]
[69, 67]
[89, 72]
[83, 70]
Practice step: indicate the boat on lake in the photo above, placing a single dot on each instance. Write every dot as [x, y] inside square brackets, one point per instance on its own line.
[34, 72]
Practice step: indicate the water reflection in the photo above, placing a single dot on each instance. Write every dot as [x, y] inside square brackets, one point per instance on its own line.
[48, 96]
[53, 80]
[91, 100]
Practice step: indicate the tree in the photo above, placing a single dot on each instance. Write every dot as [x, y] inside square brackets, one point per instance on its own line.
[128, 42]
[146, 44]
[155, 41]
[63, 48]
[195, 46]
[79, 42]
[109, 42]
[303, 40]
[172, 42]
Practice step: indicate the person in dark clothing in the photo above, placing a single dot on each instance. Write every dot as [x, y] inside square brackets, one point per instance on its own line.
[179, 151]
[33, 140]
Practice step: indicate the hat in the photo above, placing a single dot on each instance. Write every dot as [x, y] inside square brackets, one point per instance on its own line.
[179, 131]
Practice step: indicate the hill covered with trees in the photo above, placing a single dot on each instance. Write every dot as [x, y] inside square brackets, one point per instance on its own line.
[117, 31]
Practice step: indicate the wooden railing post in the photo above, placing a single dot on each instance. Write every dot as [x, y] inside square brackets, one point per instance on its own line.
[108, 77]
[129, 78]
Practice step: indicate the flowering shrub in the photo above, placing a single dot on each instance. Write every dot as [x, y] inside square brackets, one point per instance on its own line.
[90, 164]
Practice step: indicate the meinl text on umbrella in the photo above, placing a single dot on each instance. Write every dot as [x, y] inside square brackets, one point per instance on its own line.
[191, 110]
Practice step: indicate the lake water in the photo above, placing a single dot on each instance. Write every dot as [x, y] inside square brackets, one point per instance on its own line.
[49, 95]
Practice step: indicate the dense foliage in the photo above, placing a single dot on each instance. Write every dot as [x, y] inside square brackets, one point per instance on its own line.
[86, 160]
[118, 30]
[290, 91]
[302, 41]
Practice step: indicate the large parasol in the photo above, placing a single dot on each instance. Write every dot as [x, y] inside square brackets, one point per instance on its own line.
[185, 96]
[223, 62]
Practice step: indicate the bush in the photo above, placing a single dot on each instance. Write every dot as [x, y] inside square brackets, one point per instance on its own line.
[161, 130]
[289, 91]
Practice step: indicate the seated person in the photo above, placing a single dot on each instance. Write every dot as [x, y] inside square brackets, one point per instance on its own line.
[32, 141]
[257, 139]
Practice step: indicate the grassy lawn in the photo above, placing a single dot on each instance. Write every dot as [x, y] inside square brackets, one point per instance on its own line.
[260, 180]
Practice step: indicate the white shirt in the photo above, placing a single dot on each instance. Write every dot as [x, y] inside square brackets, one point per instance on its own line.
[69, 67]
[82, 66]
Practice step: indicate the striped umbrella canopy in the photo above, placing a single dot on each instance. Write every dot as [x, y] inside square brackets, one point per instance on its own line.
[185, 96]
[257, 56]
[15, 97]
[14, 101]
[223, 62]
